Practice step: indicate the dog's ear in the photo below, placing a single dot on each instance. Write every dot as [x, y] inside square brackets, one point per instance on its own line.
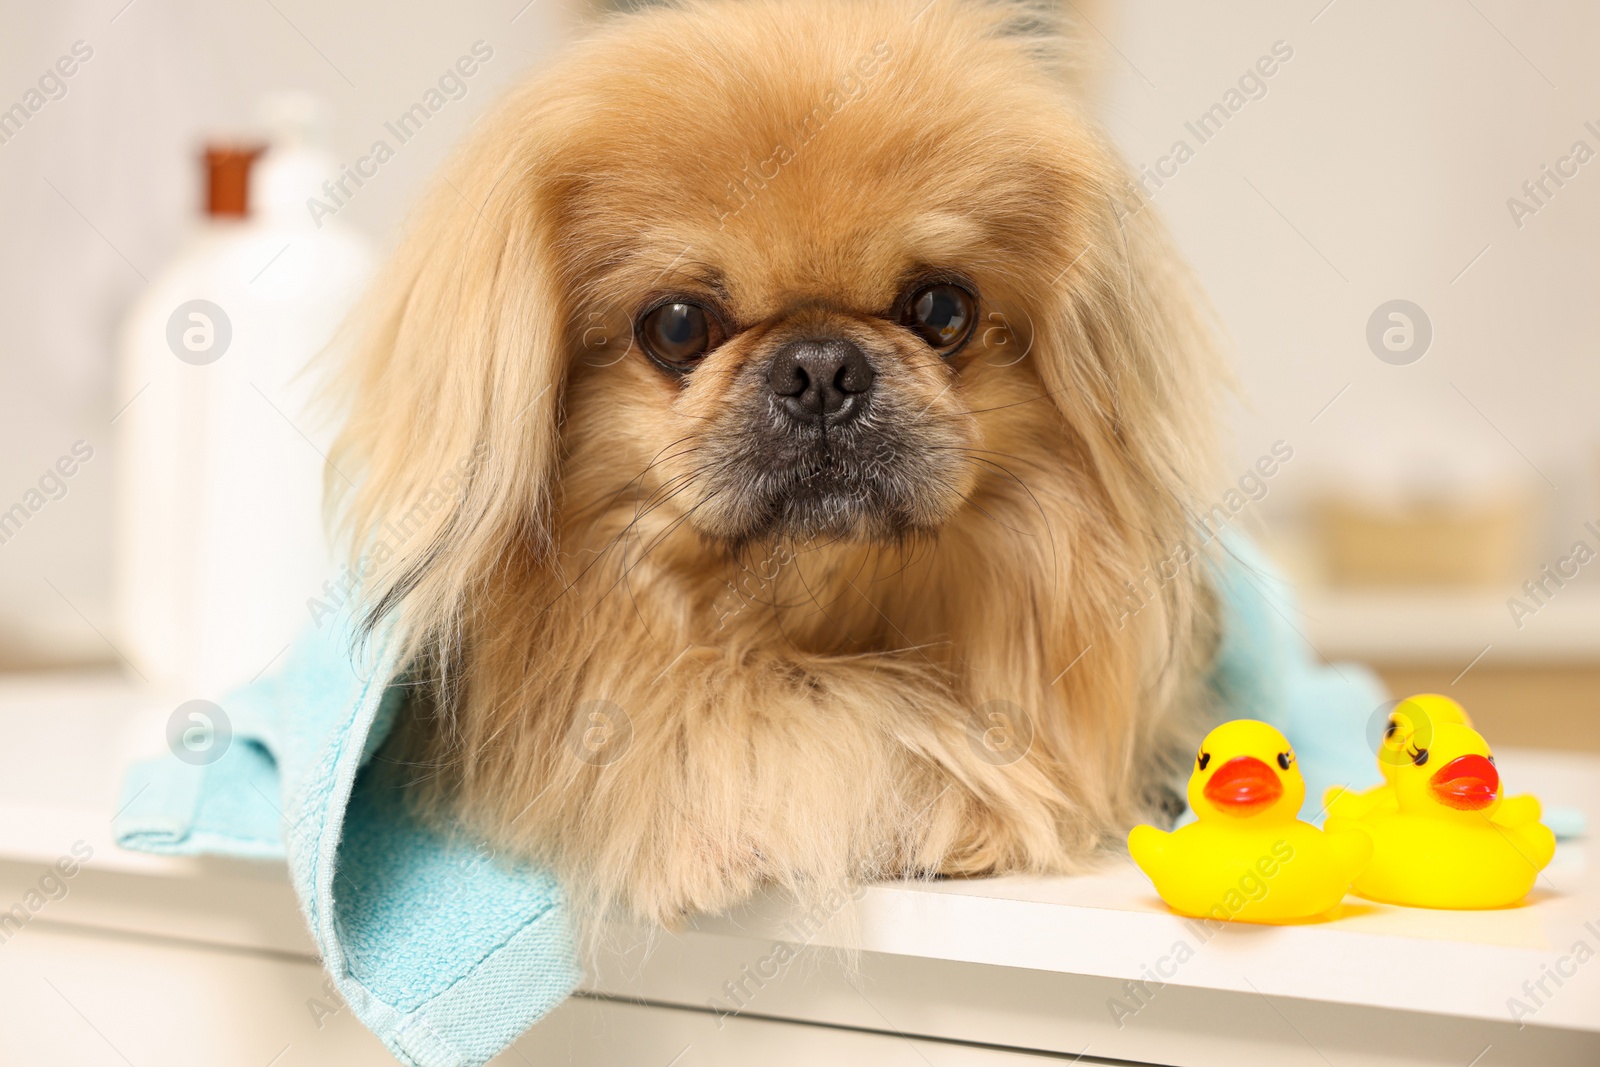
[452, 393]
[1134, 361]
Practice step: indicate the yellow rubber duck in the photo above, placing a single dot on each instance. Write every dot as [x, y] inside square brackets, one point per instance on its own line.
[1451, 841]
[1411, 726]
[1247, 858]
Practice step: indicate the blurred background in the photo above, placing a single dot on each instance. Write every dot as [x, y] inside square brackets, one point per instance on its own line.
[1393, 207]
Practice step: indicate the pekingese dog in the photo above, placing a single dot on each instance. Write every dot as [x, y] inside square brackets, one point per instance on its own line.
[823, 389]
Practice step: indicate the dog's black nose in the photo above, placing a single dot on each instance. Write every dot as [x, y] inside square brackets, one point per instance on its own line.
[820, 379]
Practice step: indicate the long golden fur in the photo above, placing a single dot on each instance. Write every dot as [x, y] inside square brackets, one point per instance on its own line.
[631, 672]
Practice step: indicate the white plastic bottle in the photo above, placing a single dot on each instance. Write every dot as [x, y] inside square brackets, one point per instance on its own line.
[219, 541]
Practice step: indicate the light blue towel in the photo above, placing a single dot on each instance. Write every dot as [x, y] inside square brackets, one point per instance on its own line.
[448, 953]
[1267, 669]
[445, 952]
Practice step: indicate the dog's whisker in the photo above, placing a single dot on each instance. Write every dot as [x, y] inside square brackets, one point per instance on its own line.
[1033, 498]
[671, 528]
[622, 535]
[954, 416]
[981, 510]
[602, 507]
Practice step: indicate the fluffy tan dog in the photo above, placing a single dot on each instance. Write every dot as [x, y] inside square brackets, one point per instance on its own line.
[822, 387]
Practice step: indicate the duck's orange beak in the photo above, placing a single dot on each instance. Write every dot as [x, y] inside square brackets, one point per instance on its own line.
[1467, 783]
[1243, 786]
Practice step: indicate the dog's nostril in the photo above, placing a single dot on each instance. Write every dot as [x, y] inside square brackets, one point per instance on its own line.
[855, 376]
[788, 376]
[816, 378]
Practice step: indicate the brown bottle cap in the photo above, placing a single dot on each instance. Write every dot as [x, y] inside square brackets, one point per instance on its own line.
[228, 179]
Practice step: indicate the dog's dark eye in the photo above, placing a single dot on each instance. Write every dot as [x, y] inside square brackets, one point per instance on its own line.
[677, 334]
[942, 315]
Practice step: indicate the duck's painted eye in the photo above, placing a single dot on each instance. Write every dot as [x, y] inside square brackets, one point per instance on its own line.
[1390, 730]
[1284, 759]
[1419, 756]
[1205, 758]
[1491, 760]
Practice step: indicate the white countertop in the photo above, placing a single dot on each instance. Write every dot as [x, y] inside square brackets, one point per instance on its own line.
[69, 737]
[1112, 924]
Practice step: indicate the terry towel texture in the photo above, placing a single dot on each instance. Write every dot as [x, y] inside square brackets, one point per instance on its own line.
[448, 953]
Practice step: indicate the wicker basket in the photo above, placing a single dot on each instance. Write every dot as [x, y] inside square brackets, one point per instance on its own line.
[1425, 544]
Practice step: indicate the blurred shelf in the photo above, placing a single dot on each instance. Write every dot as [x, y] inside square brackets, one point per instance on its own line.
[1419, 626]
